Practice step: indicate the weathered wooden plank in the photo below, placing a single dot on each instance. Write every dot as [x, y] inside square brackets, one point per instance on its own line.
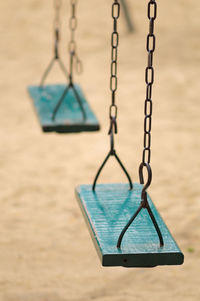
[108, 210]
[69, 116]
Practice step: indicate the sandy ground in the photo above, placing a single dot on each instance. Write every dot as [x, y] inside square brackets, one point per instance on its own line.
[45, 250]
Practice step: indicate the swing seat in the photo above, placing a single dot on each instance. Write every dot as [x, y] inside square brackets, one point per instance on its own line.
[107, 211]
[69, 117]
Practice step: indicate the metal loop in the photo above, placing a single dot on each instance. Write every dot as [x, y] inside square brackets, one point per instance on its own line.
[114, 54]
[115, 39]
[114, 68]
[147, 124]
[72, 46]
[115, 10]
[141, 176]
[152, 10]
[151, 42]
[147, 141]
[148, 107]
[113, 111]
[146, 153]
[113, 83]
[149, 75]
[73, 23]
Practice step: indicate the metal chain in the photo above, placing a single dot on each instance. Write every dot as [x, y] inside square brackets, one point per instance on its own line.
[114, 55]
[73, 23]
[113, 106]
[149, 79]
[57, 7]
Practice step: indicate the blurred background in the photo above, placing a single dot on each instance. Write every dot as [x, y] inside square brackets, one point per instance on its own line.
[46, 253]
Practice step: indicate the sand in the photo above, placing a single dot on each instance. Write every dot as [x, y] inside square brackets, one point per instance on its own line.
[45, 250]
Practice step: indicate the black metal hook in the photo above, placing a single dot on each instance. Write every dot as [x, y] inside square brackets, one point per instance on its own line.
[141, 177]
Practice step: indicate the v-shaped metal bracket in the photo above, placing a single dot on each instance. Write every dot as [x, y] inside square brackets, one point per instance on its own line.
[66, 91]
[144, 205]
[112, 152]
[50, 66]
[68, 87]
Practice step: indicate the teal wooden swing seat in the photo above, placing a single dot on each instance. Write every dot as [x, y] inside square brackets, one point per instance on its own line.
[107, 210]
[63, 108]
[125, 226]
[69, 117]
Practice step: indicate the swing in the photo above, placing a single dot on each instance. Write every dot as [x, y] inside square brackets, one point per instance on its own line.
[125, 226]
[63, 108]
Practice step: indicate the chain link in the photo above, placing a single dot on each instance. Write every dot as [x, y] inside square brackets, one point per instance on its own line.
[149, 79]
[73, 23]
[114, 56]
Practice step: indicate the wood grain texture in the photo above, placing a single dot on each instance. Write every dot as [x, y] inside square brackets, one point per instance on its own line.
[107, 211]
[69, 117]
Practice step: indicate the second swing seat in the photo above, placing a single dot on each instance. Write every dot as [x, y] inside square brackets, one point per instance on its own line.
[69, 117]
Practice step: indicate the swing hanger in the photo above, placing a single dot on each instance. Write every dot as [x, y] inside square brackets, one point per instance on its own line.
[148, 109]
[72, 44]
[107, 207]
[113, 110]
[149, 78]
[63, 108]
[73, 56]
